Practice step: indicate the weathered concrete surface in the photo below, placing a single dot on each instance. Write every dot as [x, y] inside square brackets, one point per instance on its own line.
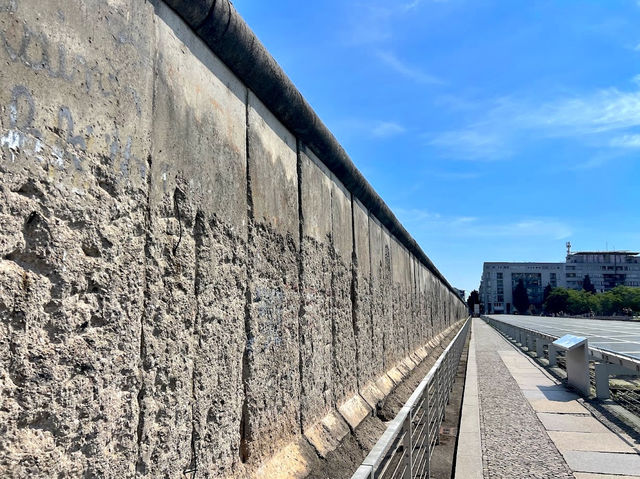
[378, 318]
[362, 317]
[184, 286]
[73, 176]
[315, 324]
[271, 363]
[193, 330]
[345, 383]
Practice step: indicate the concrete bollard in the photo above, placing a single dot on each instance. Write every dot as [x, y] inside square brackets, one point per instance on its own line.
[552, 355]
[602, 381]
[539, 348]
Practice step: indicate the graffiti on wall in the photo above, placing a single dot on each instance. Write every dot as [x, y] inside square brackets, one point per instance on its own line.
[68, 150]
[56, 140]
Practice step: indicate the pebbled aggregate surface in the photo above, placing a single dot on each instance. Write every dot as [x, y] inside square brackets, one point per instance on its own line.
[514, 442]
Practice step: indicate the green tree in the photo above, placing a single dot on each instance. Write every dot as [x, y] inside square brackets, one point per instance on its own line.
[620, 300]
[546, 292]
[556, 301]
[588, 286]
[474, 298]
[581, 302]
[521, 298]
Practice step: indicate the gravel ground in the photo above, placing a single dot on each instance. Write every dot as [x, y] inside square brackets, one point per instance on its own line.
[514, 442]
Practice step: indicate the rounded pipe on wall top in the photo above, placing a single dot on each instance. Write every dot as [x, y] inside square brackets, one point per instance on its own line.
[194, 12]
[220, 26]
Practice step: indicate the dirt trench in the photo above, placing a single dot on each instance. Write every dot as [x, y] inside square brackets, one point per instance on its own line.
[343, 461]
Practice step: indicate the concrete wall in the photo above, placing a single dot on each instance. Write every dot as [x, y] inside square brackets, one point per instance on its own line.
[184, 284]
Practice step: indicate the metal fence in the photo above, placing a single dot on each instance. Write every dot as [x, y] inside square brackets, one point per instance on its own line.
[405, 449]
[606, 368]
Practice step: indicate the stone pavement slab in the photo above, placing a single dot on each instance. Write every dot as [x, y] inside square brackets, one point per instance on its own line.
[571, 422]
[589, 441]
[566, 407]
[588, 475]
[530, 424]
[604, 462]
[550, 394]
[469, 451]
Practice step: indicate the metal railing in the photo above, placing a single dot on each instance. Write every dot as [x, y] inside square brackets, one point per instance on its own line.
[604, 364]
[405, 449]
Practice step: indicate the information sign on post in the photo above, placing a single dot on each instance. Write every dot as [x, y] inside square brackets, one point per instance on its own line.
[577, 358]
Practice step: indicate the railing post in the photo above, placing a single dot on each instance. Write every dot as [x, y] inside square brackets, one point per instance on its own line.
[602, 380]
[539, 347]
[408, 445]
[428, 414]
[552, 355]
[440, 413]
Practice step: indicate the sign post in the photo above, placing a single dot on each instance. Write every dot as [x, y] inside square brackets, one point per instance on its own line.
[577, 356]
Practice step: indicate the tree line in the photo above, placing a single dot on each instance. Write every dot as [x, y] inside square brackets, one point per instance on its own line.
[621, 300]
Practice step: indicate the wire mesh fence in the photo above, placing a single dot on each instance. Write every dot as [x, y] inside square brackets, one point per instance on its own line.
[405, 449]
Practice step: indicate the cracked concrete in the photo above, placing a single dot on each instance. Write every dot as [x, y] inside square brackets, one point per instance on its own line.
[184, 287]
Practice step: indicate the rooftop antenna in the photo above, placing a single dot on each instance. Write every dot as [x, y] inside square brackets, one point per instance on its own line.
[568, 248]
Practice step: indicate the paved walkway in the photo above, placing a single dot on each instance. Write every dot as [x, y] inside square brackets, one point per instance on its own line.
[518, 421]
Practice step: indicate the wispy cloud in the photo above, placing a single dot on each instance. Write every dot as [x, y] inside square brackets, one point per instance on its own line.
[531, 228]
[371, 26]
[602, 118]
[374, 22]
[626, 141]
[406, 70]
[455, 175]
[604, 110]
[410, 6]
[416, 3]
[471, 226]
[387, 129]
[472, 143]
[377, 129]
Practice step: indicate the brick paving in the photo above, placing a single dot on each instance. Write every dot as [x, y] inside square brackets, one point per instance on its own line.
[514, 441]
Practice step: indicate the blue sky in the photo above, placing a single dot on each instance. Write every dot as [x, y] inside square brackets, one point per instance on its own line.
[495, 130]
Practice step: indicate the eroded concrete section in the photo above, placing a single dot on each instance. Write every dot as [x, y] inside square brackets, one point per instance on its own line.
[184, 288]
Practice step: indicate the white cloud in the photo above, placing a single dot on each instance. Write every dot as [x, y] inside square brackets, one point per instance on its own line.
[416, 3]
[371, 26]
[601, 119]
[456, 175]
[410, 6]
[374, 22]
[602, 111]
[471, 144]
[626, 141]
[406, 70]
[378, 129]
[387, 129]
[474, 227]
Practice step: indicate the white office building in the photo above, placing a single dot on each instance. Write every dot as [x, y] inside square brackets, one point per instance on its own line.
[606, 270]
[499, 280]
